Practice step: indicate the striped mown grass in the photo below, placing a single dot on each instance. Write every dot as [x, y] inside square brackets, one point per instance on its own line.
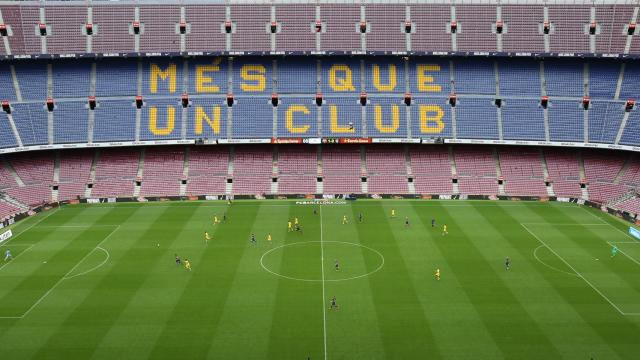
[100, 282]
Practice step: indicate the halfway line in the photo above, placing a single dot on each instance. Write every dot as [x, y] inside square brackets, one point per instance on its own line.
[324, 305]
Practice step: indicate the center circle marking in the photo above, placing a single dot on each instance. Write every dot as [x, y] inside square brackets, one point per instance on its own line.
[321, 242]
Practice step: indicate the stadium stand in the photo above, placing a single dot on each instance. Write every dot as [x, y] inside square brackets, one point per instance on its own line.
[132, 81]
[163, 170]
[296, 27]
[522, 172]
[341, 170]
[476, 171]
[193, 171]
[156, 27]
[297, 170]
[252, 170]
[386, 170]
[208, 169]
[116, 172]
[431, 170]
[503, 105]
[75, 167]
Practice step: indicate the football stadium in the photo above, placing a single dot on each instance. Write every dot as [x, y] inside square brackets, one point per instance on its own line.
[320, 179]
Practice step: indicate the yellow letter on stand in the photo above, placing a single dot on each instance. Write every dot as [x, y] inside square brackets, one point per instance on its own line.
[431, 119]
[201, 116]
[255, 73]
[425, 82]
[395, 119]
[392, 78]
[204, 82]
[156, 73]
[335, 127]
[343, 83]
[153, 121]
[289, 119]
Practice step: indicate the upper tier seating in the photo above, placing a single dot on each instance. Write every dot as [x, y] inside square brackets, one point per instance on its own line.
[192, 26]
[496, 100]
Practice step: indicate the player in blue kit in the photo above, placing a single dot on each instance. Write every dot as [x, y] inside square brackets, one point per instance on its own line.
[334, 304]
[7, 255]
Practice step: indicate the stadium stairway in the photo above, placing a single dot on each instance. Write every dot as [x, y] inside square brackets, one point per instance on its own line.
[13, 173]
[185, 172]
[92, 174]
[584, 190]
[229, 185]
[623, 170]
[622, 198]
[545, 173]
[139, 174]
[274, 170]
[496, 158]
[363, 170]
[407, 159]
[10, 200]
[56, 176]
[319, 184]
[454, 170]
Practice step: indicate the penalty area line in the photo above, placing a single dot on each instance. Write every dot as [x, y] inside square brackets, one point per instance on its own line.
[66, 276]
[32, 225]
[17, 256]
[579, 274]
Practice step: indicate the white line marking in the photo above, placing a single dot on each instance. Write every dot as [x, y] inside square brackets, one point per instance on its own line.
[16, 245]
[95, 267]
[579, 275]
[625, 242]
[76, 226]
[617, 242]
[625, 254]
[17, 256]
[69, 272]
[32, 225]
[563, 224]
[422, 204]
[319, 280]
[594, 215]
[324, 304]
[535, 255]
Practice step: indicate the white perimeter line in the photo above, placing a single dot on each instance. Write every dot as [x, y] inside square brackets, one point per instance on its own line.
[564, 224]
[595, 216]
[622, 232]
[76, 226]
[577, 273]
[32, 225]
[324, 305]
[17, 256]
[417, 204]
[625, 254]
[69, 272]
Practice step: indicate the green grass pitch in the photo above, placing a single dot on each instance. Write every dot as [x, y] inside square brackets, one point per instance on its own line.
[100, 282]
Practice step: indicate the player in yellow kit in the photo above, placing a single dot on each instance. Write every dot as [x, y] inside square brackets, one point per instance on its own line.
[207, 237]
[269, 238]
[437, 274]
[215, 219]
[295, 221]
[289, 226]
[444, 230]
[393, 213]
[344, 219]
[187, 264]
